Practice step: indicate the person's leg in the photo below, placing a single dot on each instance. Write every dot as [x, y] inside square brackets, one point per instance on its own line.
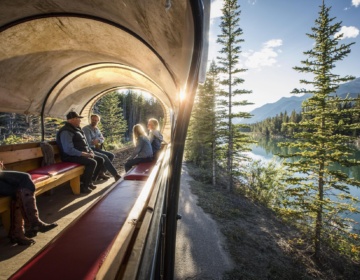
[107, 164]
[10, 181]
[131, 162]
[100, 165]
[30, 213]
[102, 171]
[149, 159]
[16, 233]
[90, 165]
[110, 155]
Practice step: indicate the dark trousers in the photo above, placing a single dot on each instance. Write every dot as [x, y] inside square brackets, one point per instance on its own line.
[11, 181]
[92, 167]
[131, 162]
[108, 158]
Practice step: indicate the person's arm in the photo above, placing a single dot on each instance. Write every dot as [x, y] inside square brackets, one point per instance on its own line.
[137, 148]
[68, 145]
[151, 136]
[158, 135]
[99, 136]
[87, 133]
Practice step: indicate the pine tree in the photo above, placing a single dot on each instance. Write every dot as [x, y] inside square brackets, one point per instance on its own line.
[319, 142]
[234, 142]
[138, 109]
[200, 144]
[113, 125]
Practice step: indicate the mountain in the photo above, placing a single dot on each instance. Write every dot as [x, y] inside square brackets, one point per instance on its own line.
[289, 104]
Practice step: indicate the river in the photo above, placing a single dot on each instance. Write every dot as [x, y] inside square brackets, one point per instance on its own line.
[266, 149]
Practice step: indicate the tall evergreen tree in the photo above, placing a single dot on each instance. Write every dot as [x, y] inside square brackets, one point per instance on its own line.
[138, 109]
[233, 141]
[319, 192]
[113, 124]
[200, 145]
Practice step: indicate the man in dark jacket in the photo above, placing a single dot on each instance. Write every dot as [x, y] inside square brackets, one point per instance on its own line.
[74, 148]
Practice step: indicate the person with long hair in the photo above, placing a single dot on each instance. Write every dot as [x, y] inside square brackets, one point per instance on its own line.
[21, 188]
[143, 151]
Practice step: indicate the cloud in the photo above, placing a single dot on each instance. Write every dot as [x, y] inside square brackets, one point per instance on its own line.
[348, 31]
[215, 10]
[265, 57]
[217, 5]
[356, 3]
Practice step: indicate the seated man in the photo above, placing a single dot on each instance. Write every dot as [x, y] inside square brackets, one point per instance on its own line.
[95, 139]
[74, 148]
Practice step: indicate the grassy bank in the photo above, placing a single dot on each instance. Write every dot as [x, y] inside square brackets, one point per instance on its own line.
[261, 245]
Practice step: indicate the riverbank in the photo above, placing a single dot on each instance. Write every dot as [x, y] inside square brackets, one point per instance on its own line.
[260, 244]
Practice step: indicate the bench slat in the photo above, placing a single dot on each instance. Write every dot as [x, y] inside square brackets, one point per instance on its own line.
[21, 155]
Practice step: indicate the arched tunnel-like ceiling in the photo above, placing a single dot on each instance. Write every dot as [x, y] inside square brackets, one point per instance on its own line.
[41, 53]
[57, 56]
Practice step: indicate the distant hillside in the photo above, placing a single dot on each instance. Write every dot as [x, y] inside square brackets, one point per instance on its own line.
[289, 104]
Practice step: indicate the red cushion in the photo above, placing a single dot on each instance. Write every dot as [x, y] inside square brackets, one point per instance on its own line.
[54, 169]
[38, 177]
[140, 172]
[81, 248]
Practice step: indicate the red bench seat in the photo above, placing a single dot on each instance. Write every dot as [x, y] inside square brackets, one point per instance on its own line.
[81, 248]
[54, 169]
[140, 172]
[38, 177]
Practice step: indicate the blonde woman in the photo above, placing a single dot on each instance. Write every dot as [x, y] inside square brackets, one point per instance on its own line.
[143, 151]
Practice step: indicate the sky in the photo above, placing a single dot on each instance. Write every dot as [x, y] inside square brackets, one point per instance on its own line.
[275, 40]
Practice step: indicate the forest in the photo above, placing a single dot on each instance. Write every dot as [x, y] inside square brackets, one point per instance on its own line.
[305, 191]
[119, 112]
[278, 125]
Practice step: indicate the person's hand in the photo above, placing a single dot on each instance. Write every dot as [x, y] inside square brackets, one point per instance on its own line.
[87, 155]
[1, 165]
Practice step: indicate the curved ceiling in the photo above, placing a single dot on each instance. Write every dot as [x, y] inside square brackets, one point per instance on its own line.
[57, 56]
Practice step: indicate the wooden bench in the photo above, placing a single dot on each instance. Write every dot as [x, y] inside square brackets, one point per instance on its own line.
[95, 244]
[28, 158]
[80, 249]
[105, 231]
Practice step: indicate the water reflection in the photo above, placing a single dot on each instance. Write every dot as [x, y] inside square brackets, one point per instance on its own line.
[266, 150]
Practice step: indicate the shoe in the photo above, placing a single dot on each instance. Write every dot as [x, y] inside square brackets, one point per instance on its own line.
[42, 227]
[92, 186]
[103, 177]
[22, 241]
[16, 233]
[85, 190]
[117, 177]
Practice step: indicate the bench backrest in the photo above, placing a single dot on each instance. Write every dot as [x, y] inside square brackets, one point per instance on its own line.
[24, 157]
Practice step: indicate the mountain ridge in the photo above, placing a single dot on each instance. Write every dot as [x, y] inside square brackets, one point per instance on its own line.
[291, 103]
